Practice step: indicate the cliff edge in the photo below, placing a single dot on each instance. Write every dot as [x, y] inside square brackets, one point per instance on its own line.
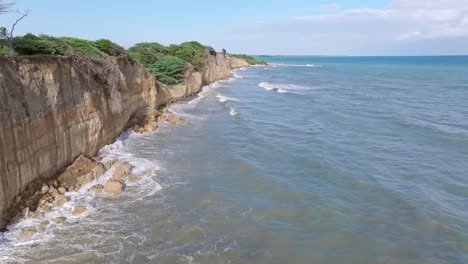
[54, 109]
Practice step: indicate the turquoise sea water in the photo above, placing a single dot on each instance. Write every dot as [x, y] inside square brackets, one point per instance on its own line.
[309, 160]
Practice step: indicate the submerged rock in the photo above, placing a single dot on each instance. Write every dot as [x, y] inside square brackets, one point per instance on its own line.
[134, 178]
[113, 186]
[121, 170]
[59, 220]
[79, 209]
[174, 119]
[96, 188]
[28, 234]
[42, 226]
[60, 200]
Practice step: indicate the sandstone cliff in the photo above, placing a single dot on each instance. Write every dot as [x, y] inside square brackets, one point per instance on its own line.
[53, 109]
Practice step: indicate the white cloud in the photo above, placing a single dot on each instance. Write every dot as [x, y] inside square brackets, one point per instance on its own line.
[403, 22]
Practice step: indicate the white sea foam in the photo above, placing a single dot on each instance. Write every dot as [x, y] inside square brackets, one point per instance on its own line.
[233, 112]
[223, 98]
[282, 88]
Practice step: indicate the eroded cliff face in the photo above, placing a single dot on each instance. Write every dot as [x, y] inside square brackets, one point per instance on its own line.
[52, 110]
[236, 63]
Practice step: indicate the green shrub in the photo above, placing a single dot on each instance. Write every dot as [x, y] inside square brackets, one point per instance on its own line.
[191, 52]
[168, 69]
[85, 47]
[147, 53]
[251, 60]
[110, 48]
[40, 45]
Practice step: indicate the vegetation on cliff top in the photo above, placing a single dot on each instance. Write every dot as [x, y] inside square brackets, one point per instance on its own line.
[168, 62]
[32, 45]
[251, 60]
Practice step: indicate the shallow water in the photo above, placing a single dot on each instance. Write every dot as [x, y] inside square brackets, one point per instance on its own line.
[310, 160]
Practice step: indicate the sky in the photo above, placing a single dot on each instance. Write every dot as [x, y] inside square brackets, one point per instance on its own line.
[290, 27]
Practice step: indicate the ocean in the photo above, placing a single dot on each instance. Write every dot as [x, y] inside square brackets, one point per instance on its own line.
[308, 160]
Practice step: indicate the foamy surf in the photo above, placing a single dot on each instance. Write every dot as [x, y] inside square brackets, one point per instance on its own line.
[222, 98]
[282, 88]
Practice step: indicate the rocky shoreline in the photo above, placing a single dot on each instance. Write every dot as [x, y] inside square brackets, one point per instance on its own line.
[41, 197]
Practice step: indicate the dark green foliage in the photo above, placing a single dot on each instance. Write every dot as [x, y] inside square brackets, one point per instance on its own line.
[147, 53]
[167, 63]
[85, 47]
[40, 45]
[30, 44]
[191, 52]
[249, 59]
[110, 48]
[168, 69]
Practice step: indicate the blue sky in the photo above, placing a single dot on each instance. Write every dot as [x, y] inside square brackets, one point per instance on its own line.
[379, 27]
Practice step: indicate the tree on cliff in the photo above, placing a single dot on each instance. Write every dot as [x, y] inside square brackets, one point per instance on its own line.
[5, 34]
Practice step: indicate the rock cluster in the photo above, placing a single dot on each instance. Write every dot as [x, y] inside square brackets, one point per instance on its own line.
[40, 197]
[148, 119]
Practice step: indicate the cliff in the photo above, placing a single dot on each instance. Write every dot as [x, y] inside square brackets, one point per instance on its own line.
[53, 109]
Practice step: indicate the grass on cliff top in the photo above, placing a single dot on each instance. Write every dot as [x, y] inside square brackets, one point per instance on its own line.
[168, 62]
[251, 60]
[32, 45]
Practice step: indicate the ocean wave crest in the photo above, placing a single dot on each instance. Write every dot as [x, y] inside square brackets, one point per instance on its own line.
[223, 99]
[282, 88]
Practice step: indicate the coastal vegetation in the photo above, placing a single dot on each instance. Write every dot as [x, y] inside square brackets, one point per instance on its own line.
[251, 60]
[167, 63]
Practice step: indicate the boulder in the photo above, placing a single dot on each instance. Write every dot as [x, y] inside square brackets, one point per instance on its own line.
[96, 188]
[108, 164]
[121, 170]
[59, 220]
[82, 171]
[174, 119]
[28, 234]
[44, 189]
[60, 200]
[79, 209]
[113, 186]
[145, 120]
[62, 190]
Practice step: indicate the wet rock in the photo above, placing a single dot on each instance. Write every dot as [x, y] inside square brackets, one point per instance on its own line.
[36, 215]
[79, 209]
[42, 226]
[62, 190]
[108, 164]
[25, 212]
[134, 178]
[44, 189]
[121, 170]
[82, 171]
[113, 186]
[44, 208]
[28, 234]
[96, 188]
[145, 120]
[59, 220]
[174, 119]
[77, 187]
[15, 220]
[60, 200]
